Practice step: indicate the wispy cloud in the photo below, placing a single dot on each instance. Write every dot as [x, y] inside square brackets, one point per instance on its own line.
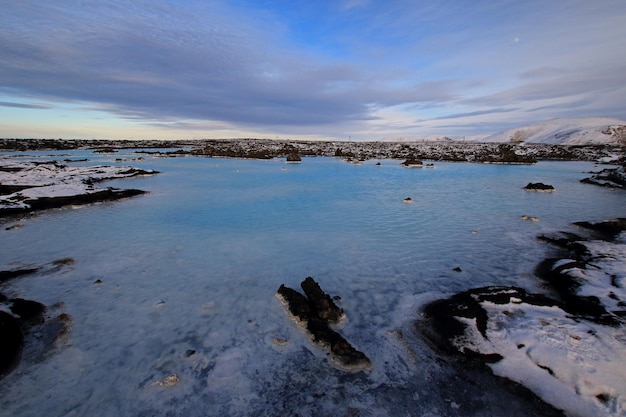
[215, 64]
[23, 105]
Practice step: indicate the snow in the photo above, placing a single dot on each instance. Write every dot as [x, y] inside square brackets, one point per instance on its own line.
[576, 131]
[52, 179]
[575, 365]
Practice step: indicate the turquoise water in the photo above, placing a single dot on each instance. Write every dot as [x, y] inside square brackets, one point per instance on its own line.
[194, 265]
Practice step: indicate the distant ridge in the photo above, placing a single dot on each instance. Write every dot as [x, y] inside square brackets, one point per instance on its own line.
[574, 131]
[577, 131]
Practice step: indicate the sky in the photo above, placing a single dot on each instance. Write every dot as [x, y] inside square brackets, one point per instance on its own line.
[301, 69]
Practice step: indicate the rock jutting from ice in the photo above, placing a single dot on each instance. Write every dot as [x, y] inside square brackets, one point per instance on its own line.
[321, 302]
[539, 186]
[568, 346]
[28, 186]
[609, 177]
[27, 323]
[412, 162]
[315, 312]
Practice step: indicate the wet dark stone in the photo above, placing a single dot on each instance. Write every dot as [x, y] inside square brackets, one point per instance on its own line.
[442, 327]
[538, 186]
[296, 302]
[28, 310]
[108, 194]
[607, 230]
[321, 302]
[7, 275]
[12, 342]
[294, 157]
[314, 313]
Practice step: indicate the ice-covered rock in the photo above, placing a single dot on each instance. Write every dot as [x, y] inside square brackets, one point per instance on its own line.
[566, 347]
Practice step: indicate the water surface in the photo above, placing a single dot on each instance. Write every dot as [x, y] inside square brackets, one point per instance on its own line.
[194, 266]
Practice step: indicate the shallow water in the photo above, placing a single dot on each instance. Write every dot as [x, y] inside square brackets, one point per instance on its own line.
[194, 265]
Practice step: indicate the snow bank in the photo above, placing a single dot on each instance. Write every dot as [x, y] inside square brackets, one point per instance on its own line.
[570, 348]
[23, 182]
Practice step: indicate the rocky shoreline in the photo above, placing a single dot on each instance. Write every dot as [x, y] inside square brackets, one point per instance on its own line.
[570, 337]
[444, 150]
[28, 186]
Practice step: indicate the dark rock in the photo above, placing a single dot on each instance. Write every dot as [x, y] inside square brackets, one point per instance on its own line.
[538, 186]
[294, 157]
[7, 275]
[12, 342]
[443, 328]
[28, 310]
[606, 230]
[611, 177]
[458, 269]
[567, 286]
[321, 302]
[412, 162]
[105, 195]
[314, 313]
[296, 302]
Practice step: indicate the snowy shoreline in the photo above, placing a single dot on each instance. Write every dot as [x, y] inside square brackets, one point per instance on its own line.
[568, 346]
[27, 186]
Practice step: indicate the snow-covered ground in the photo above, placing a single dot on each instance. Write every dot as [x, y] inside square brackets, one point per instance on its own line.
[33, 180]
[576, 364]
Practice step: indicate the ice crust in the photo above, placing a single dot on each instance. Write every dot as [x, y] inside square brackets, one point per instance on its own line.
[576, 365]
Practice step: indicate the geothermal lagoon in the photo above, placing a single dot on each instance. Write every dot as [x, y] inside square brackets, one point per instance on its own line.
[171, 294]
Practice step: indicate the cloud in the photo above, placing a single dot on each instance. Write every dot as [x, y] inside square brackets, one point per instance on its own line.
[214, 64]
[23, 105]
[475, 113]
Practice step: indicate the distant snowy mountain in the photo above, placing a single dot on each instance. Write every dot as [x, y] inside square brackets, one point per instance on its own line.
[579, 131]
[429, 138]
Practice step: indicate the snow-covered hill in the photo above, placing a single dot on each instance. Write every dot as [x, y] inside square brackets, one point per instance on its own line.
[579, 131]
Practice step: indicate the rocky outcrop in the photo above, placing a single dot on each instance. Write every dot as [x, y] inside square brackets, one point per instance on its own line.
[610, 177]
[539, 186]
[567, 338]
[29, 186]
[446, 321]
[24, 321]
[12, 342]
[314, 313]
[412, 162]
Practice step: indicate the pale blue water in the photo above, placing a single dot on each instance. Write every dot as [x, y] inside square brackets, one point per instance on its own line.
[195, 264]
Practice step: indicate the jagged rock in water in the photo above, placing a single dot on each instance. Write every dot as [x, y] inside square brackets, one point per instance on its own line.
[12, 342]
[323, 305]
[539, 186]
[314, 313]
[412, 162]
[609, 177]
[28, 310]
